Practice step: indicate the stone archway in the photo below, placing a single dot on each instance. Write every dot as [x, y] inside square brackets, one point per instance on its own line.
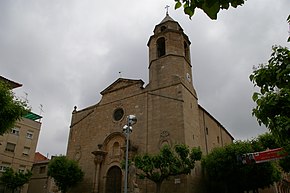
[114, 180]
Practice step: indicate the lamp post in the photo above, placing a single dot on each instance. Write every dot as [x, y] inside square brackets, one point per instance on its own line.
[127, 129]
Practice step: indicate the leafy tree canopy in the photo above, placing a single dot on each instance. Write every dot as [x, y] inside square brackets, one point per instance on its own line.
[169, 162]
[65, 172]
[225, 173]
[273, 98]
[210, 7]
[11, 108]
[265, 141]
[13, 180]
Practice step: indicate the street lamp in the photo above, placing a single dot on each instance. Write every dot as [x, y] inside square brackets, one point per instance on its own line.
[127, 129]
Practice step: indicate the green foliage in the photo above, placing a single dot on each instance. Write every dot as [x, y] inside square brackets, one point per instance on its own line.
[285, 163]
[273, 98]
[265, 141]
[210, 7]
[13, 180]
[169, 162]
[65, 172]
[225, 172]
[11, 108]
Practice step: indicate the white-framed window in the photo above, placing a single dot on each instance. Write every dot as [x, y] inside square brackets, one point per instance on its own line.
[21, 168]
[10, 147]
[29, 135]
[15, 131]
[26, 151]
[4, 166]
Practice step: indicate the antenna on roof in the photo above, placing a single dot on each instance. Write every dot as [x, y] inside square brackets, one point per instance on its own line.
[41, 109]
[26, 97]
[120, 73]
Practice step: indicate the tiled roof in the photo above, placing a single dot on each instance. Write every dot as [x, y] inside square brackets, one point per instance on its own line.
[39, 157]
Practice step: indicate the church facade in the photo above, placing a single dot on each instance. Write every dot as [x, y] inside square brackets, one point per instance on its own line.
[167, 110]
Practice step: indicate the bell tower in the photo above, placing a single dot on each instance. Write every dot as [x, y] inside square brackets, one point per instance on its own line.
[169, 56]
[173, 112]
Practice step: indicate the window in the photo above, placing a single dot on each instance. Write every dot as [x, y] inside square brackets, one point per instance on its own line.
[118, 114]
[15, 131]
[42, 169]
[4, 166]
[116, 149]
[218, 139]
[29, 135]
[206, 130]
[21, 168]
[161, 47]
[10, 147]
[163, 28]
[186, 50]
[26, 151]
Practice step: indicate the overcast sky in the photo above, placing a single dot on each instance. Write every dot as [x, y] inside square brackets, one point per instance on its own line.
[65, 52]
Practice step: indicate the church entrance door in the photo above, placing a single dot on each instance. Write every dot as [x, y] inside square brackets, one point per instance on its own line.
[113, 184]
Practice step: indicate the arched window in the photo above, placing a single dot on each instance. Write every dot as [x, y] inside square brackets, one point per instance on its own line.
[116, 149]
[161, 47]
[163, 28]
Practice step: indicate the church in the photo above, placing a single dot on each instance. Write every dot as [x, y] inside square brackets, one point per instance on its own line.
[167, 112]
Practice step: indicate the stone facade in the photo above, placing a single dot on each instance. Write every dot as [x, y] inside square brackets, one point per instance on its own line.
[18, 147]
[167, 110]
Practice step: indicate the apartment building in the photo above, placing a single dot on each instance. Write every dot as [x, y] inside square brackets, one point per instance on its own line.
[17, 147]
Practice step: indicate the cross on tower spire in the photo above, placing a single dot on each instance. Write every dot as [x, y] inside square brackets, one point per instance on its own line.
[167, 7]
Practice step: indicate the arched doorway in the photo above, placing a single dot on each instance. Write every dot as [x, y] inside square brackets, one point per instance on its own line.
[114, 180]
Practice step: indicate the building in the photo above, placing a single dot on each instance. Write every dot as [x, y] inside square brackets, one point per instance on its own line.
[40, 182]
[17, 147]
[167, 110]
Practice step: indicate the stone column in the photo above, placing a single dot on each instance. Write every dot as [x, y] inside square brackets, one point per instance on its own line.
[99, 157]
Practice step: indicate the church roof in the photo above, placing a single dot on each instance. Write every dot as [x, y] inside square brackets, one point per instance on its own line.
[121, 83]
[167, 18]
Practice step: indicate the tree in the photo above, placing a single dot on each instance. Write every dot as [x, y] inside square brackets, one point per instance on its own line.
[265, 141]
[169, 162]
[273, 99]
[13, 180]
[11, 108]
[210, 7]
[65, 172]
[226, 174]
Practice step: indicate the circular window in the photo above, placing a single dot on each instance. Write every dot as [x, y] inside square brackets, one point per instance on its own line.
[118, 114]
